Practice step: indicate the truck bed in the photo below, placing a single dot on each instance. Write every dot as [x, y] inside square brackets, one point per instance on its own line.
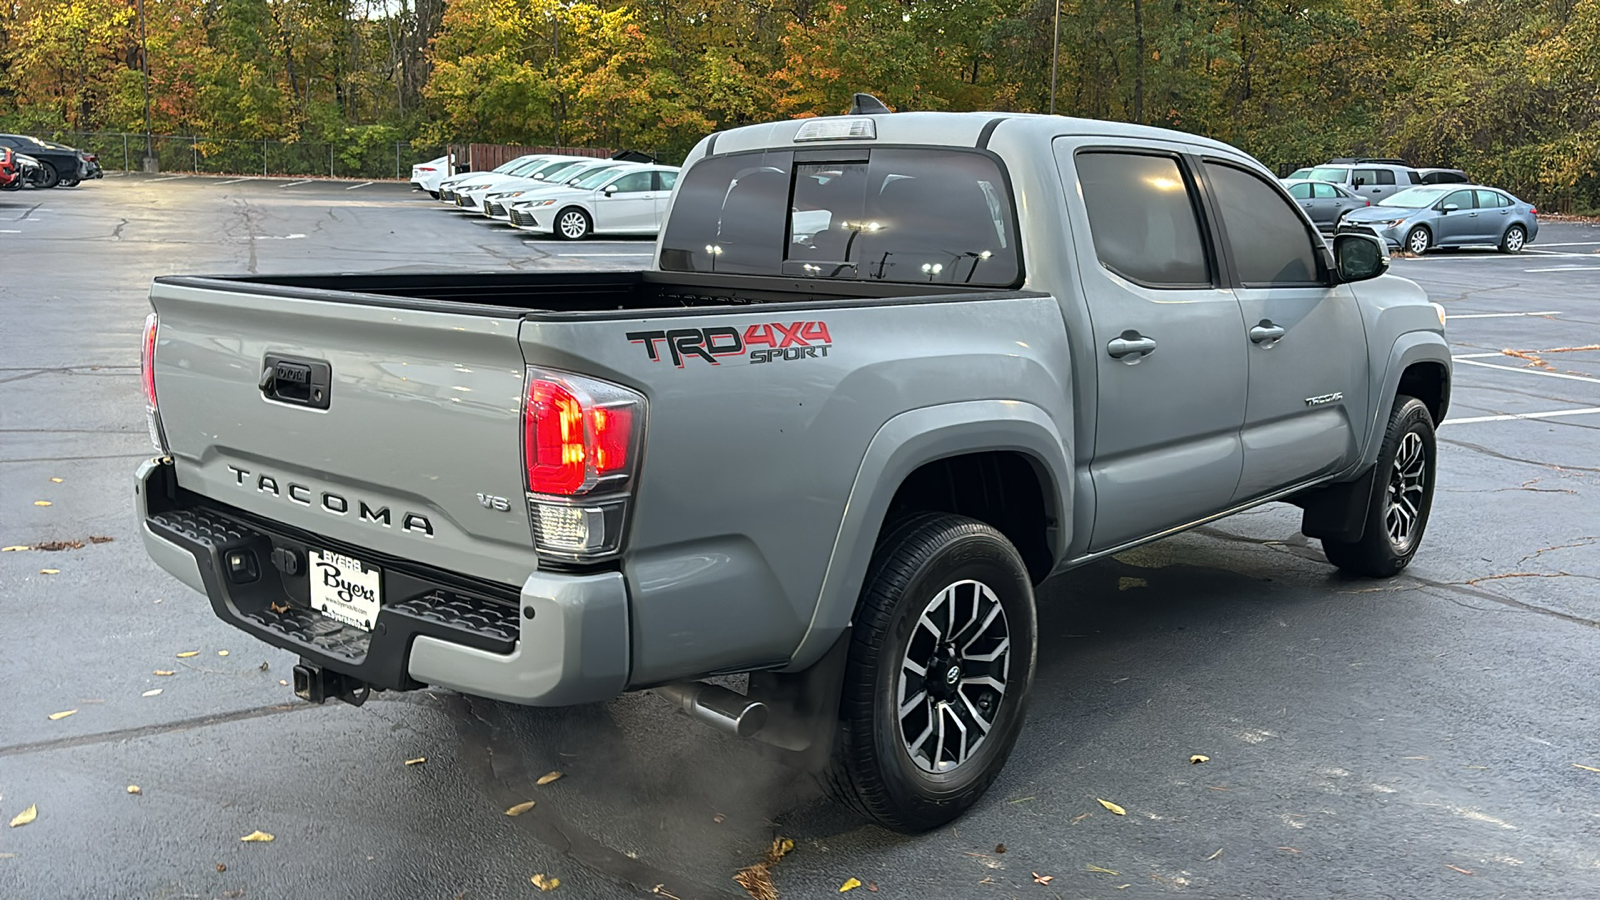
[584, 294]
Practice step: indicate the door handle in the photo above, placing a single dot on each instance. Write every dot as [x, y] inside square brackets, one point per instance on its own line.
[1133, 344]
[1267, 333]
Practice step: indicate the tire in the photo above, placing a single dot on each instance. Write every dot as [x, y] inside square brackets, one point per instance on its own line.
[433, 194]
[1418, 240]
[69, 182]
[934, 566]
[1514, 239]
[1402, 496]
[48, 176]
[573, 224]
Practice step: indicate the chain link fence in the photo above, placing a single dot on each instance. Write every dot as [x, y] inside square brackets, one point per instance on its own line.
[127, 152]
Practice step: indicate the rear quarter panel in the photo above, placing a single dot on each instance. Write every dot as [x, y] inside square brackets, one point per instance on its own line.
[748, 466]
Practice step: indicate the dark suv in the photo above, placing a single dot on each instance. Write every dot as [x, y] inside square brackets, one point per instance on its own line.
[60, 164]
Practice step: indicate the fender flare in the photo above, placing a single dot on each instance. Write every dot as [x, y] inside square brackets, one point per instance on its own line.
[904, 443]
[1409, 348]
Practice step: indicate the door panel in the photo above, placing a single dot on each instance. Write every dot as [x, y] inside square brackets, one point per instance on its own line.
[1303, 339]
[631, 207]
[1171, 399]
[1460, 226]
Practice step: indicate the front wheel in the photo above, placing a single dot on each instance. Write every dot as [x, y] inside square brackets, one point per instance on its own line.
[1418, 239]
[48, 177]
[573, 224]
[1514, 238]
[1402, 496]
[940, 666]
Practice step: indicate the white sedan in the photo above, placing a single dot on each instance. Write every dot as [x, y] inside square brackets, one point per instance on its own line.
[633, 201]
[427, 175]
[554, 170]
[448, 185]
[497, 203]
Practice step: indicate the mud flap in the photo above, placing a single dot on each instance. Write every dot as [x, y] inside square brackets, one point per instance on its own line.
[1338, 511]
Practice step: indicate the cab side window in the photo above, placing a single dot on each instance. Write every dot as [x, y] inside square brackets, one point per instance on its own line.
[1270, 241]
[633, 183]
[1142, 218]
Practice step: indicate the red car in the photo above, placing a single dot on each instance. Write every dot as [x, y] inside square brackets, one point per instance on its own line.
[10, 177]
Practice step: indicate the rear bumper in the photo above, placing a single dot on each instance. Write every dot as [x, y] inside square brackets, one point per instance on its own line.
[558, 641]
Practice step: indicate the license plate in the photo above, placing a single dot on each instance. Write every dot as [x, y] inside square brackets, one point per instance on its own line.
[345, 588]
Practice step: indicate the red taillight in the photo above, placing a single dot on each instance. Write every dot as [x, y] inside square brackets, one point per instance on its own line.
[553, 438]
[1534, 210]
[577, 432]
[425, 168]
[147, 360]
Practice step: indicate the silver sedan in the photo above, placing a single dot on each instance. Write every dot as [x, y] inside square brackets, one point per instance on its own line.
[1324, 201]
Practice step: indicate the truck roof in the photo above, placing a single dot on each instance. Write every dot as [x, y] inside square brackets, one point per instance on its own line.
[943, 128]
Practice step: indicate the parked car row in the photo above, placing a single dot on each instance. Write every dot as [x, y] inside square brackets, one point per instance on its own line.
[39, 163]
[568, 197]
[1411, 208]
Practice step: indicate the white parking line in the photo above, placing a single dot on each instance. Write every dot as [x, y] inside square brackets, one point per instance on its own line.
[293, 183]
[1476, 355]
[1550, 312]
[1565, 269]
[1472, 420]
[1570, 244]
[361, 185]
[170, 178]
[9, 231]
[234, 181]
[595, 255]
[1473, 362]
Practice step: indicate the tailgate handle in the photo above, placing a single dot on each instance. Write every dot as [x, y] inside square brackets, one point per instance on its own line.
[302, 382]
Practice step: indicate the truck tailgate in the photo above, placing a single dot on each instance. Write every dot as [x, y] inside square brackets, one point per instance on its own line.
[417, 455]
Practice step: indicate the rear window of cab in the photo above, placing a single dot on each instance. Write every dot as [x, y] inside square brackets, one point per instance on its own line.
[930, 215]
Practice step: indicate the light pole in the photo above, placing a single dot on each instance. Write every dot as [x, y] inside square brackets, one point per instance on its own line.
[1055, 54]
[144, 69]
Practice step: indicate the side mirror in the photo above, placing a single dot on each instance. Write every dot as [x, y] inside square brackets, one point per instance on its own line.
[1360, 255]
[1450, 207]
[610, 189]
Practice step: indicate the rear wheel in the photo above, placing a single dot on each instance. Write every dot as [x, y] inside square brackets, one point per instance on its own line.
[1402, 495]
[1418, 239]
[940, 665]
[69, 182]
[48, 177]
[1513, 240]
[573, 224]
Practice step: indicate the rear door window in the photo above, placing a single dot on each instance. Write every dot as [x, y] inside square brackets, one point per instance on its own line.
[941, 216]
[1301, 191]
[1142, 218]
[1327, 192]
[1270, 242]
[1490, 200]
[665, 180]
[1385, 176]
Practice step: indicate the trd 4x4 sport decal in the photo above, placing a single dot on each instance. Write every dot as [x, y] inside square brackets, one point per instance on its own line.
[762, 343]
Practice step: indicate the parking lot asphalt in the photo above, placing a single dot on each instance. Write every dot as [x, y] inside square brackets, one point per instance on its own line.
[1435, 735]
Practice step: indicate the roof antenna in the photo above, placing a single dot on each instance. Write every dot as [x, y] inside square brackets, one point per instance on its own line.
[868, 105]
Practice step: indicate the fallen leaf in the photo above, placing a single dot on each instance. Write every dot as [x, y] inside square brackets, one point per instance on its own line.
[256, 837]
[41, 503]
[1115, 809]
[14, 549]
[1214, 855]
[49, 571]
[134, 789]
[236, 892]
[1198, 758]
[100, 539]
[1042, 879]
[56, 480]
[163, 672]
[61, 715]
[280, 609]
[188, 653]
[850, 884]
[546, 779]
[221, 867]
[545, 884]
[872, 886]
[1289, 849]
[1459, 869]
[1585, 768]
[26, 816]
[999, 848]
[222, 653]
[757, 879]
[1094, 868]
[54, 546]
[417, 762]
[282, 682]
[520, 808]
[151, 693]
[719, 818]
[1080, 818]
[264, 666]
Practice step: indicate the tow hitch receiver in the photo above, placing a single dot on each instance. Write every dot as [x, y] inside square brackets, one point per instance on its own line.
[318, 685]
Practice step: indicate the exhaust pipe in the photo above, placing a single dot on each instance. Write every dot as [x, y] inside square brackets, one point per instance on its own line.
[717, 706]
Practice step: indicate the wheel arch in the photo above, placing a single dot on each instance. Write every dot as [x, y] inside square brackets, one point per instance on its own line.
[1419, 366]
[907, 467]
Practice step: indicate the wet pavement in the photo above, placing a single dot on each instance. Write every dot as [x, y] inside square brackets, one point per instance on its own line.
[1425, 736]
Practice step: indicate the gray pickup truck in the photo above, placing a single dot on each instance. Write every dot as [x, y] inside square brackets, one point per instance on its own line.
[888, 373]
